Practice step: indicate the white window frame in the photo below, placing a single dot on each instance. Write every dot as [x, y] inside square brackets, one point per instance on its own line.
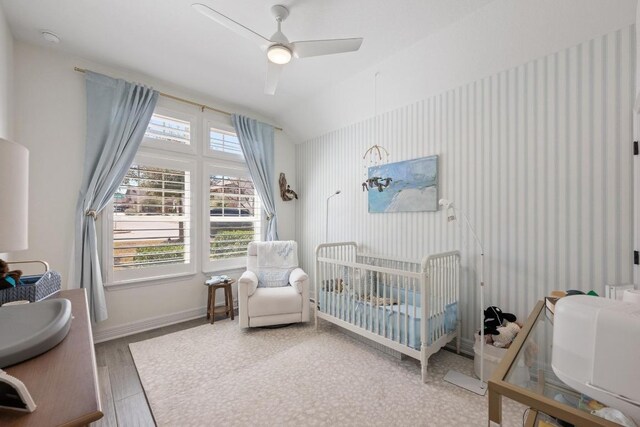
[194, 131]
[144, 274]
[220, 168]
[208, 123]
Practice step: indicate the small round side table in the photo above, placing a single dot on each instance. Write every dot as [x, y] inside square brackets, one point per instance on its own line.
[228, 299]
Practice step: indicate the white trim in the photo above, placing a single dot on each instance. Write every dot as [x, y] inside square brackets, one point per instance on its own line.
[147, 324]
[466, 347]
[145, 281]
[151, 323]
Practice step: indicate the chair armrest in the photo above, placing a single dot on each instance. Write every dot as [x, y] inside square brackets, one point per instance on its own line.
[250, 281]
[298, 278]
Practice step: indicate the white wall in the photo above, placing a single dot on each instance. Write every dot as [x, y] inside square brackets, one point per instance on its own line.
[538, 155]
[6, 78]
[501, 35]
[6, 84]
[50, 121]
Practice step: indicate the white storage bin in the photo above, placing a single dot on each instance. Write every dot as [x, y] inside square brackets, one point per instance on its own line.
[492, 357]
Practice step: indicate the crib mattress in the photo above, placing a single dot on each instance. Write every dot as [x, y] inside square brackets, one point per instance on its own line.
[390, 321]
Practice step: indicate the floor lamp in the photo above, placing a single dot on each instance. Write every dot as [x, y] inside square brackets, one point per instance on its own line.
[326, 218]
[461, 380]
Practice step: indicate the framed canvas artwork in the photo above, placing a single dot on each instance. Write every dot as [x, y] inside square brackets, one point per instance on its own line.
[408, 186]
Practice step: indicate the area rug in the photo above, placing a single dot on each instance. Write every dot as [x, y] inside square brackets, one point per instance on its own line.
[296, 376]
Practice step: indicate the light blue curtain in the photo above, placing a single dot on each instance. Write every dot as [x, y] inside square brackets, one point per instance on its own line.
[118, 113]
[256, 140]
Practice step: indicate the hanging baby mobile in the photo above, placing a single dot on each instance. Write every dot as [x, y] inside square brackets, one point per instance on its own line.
[376, 155]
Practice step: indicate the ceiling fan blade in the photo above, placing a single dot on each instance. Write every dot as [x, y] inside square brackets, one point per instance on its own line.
[234, 26]
[273, 75]
[304, 49]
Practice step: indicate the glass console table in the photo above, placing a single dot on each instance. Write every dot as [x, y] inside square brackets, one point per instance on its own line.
[525, 375]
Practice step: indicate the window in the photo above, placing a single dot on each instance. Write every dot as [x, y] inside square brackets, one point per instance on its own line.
[223, 141]
[234, 217]
[169, 129]
[188, 158]
[151, 221]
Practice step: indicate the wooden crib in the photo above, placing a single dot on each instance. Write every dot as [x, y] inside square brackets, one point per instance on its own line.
[411, 307]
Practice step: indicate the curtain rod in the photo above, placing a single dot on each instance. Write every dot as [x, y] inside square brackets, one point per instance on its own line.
[186, 101]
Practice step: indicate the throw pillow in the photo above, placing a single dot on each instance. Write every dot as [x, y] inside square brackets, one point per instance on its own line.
[275, 278]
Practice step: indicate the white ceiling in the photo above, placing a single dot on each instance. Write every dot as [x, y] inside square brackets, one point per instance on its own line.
[170, 41]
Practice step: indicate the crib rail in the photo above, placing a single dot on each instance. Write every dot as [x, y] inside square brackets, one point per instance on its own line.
[443, 276]
[389, 262]
[406, 305]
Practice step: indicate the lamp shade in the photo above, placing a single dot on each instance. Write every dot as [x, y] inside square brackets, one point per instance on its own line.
[14, 196]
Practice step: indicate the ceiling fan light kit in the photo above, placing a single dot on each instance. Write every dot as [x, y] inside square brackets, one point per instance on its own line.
[279, 54]
[279, 50]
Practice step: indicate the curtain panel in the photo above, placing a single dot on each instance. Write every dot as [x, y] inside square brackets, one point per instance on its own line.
[256, 140]
[118, 113]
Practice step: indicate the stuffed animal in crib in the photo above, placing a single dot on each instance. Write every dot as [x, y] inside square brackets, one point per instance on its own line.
[8, 279]
[506, 334]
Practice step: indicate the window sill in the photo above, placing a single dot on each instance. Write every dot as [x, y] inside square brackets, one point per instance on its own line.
[224, 270]
[146, 281]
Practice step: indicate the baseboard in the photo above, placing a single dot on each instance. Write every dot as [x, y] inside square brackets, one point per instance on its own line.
[466, 347]
[149, 324]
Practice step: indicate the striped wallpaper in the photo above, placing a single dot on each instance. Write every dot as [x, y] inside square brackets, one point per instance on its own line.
[539, 156]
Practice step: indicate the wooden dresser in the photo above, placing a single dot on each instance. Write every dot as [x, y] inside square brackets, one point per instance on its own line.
[63, 381]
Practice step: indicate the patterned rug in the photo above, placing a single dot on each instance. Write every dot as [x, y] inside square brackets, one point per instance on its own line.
[221, 375]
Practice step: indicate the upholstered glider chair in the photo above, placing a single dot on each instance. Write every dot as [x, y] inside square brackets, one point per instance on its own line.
[273, 290]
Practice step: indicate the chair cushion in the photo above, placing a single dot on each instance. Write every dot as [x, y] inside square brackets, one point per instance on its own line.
[270, 301]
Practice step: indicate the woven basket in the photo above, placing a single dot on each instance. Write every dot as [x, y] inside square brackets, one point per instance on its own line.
[32, 288]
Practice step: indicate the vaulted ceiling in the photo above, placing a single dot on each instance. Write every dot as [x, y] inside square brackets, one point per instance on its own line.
[170, 41]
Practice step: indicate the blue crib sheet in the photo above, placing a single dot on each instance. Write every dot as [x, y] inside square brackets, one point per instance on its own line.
[383, 319]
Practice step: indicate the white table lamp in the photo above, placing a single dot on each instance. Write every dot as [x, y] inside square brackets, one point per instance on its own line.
[14, 196]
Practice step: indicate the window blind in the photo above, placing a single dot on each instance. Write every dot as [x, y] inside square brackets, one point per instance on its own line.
[169, 129]
[234, 212]
[151, 218]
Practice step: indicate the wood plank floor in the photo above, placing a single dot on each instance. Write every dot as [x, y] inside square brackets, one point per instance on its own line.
[123, 399]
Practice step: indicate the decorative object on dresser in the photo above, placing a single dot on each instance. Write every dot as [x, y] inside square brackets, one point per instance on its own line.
[273, 290]
[14, 395]
[409, 306]
[596, 345]
[457, 378]
[32, 287]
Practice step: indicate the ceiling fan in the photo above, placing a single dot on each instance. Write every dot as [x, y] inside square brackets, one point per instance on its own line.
[279, 49]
